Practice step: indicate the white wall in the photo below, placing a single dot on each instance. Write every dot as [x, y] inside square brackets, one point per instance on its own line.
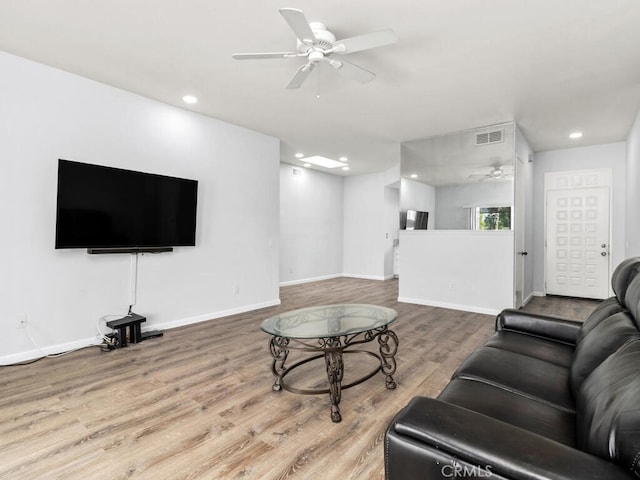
[418, 196]
[452, 201]
[632, 222]
[458, 269]
[48, 114]
[364, 226]
[612, 155]
[368, 230]
[311, 225]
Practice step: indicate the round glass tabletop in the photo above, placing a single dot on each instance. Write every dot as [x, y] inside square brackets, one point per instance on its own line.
[329, 321]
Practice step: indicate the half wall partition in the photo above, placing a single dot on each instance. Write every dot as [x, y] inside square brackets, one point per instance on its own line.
[464, 181]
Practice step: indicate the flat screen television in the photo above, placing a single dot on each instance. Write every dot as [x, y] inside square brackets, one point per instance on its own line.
[414, 220]
[105, 209]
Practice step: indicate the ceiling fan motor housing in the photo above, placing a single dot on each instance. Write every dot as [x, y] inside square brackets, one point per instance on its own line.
[324, 39]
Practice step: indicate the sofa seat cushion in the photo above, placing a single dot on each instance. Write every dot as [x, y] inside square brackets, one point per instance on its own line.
[528, 376]
[543, 349]
[429, 434]
[507, 406]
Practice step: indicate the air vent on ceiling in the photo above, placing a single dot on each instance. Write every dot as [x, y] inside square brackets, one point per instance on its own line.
[487, 138]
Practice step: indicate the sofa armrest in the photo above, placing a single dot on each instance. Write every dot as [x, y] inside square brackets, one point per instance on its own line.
[545, 326]
[434, 439]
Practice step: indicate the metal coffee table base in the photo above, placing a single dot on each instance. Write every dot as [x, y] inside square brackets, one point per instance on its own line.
[332, 349]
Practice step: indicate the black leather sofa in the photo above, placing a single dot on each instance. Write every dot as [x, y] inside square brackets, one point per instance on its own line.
[543, 398]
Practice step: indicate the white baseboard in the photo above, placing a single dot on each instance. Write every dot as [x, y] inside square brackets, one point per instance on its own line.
[77, 344]
[366, 277]
[528, 299]
[48, 350]
[452, 306]
[539, 294]
[210, 316]
[309, 280]
[337, 275]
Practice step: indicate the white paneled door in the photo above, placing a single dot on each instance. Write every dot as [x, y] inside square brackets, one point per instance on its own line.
[577, 242]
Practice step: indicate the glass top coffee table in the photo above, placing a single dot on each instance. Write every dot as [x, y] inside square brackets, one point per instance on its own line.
[329, 331]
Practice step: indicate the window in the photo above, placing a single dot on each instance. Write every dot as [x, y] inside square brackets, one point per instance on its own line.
[490, 218]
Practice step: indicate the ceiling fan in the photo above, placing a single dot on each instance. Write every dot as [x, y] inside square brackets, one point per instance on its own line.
[317, 44]
[496, 173]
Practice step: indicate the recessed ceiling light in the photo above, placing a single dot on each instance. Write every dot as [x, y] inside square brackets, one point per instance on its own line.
[307, 165]
[575, 135]
[190, 99]
[299, 155]
[343, 159]
[345, 168]
[414, 175]
[324, 162]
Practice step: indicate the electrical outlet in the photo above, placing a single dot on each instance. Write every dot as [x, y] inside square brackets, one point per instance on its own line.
[22, 321]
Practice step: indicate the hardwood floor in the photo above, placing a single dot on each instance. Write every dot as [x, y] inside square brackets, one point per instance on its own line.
[197, 403]
[573, 308]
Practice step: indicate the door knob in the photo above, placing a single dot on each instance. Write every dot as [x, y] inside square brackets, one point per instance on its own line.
[524, 252]
[604, 254]
[604, 245]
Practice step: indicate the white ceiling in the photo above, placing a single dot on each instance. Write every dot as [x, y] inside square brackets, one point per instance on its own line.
[552, 66]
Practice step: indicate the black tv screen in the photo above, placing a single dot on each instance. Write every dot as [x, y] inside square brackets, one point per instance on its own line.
[416, 220]
[101, 207]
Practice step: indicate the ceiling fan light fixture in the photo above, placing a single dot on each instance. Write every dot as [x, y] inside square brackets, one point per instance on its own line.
[316, 56]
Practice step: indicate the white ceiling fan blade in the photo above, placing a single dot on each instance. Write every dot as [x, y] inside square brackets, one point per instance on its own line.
[352, 71]
[261, 56]
[365, 42]
[299, 24]
[300, 76]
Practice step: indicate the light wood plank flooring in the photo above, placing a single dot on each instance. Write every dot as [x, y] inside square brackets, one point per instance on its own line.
[197, 403]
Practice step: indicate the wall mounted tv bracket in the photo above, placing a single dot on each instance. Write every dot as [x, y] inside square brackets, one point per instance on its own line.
[96, 251]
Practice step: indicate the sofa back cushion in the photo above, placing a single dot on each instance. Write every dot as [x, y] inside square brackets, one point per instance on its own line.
[602, 340]
[607, 308]
[621, 280]
[632, 298]
[623, 275]
[608, 408]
